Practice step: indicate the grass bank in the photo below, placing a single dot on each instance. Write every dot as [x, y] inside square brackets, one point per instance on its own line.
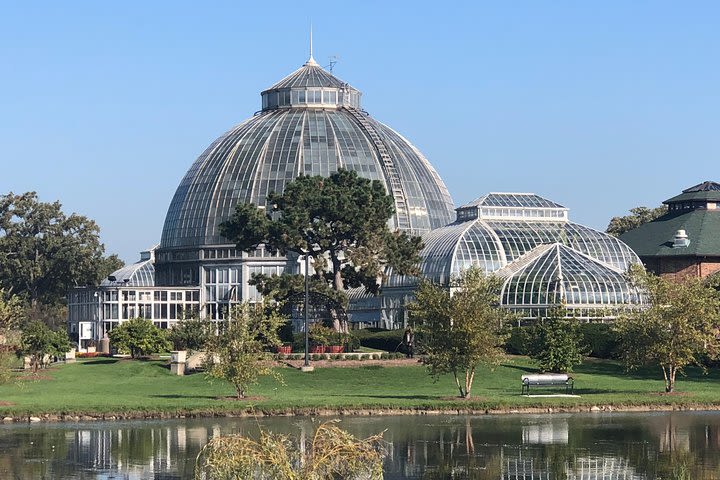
[129, 388]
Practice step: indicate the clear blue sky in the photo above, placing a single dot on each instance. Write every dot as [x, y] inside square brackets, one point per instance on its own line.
[601, 106]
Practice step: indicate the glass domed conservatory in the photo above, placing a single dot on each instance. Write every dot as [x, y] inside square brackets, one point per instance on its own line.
[543, 258]
[310, 123]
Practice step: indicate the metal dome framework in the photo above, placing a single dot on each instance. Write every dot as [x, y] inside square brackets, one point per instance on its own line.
[310, 123]
[314, 134]
[544, 259]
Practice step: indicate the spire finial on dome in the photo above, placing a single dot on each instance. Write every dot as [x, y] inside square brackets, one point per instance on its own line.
[311, 61]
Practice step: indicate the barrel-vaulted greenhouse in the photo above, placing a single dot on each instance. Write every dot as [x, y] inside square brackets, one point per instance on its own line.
[544, 259]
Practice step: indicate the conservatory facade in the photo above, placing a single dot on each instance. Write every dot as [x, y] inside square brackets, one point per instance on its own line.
[544, 259]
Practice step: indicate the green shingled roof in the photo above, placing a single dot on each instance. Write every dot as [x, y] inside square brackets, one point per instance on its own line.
[656, 238]
[706, 191]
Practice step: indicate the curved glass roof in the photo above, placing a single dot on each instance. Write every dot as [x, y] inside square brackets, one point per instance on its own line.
[492, 245]
[140, 274]
[545, 258]
[555, 274]
[264, 153]
[309, 75]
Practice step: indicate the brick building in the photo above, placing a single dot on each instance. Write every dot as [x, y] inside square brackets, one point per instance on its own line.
[685, 242]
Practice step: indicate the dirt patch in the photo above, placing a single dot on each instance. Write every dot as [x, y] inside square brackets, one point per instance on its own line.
[246, 399]
[672, 394]
[398, 362]
[6, 404]
[31, 377]
[472, 398]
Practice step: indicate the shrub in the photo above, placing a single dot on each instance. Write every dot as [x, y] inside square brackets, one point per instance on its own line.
[139, 337]
[601, 339]
[557, 343]
[518, 342]
[285, 333]
[321, 335]
[388, 340]
[39, 340]
[191, 334]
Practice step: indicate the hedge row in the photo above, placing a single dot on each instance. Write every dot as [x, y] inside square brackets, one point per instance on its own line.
[379, 339]
[600, 339]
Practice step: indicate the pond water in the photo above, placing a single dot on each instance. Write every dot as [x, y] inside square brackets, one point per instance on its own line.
[678, 445]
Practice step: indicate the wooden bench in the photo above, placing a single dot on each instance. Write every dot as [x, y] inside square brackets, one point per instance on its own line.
[547, 380]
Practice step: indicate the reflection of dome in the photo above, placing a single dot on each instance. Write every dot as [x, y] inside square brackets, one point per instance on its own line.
[310, 123]
[543, 258]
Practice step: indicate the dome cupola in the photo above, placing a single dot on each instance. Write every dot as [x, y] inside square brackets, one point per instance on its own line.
[310, 86]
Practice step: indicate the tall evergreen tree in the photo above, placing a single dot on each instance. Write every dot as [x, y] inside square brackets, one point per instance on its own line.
[341, 221]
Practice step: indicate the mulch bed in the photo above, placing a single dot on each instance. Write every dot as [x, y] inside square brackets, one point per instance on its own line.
[398, 362]
[673, 394]
[246, 399]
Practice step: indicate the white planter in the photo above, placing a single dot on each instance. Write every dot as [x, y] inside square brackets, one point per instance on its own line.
[178, 356]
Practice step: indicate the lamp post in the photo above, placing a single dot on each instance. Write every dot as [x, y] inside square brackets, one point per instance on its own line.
[306, 366]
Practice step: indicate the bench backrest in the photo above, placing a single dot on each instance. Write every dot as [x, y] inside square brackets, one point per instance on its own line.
[546, 379]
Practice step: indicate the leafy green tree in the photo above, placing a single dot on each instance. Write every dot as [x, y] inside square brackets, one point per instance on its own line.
[461, 328]
[12, 313]
[239, 353]
[191, 334]
[638, 216]
[139, 337]
[556, 342]
[46, 252]
[38, 341]
[11, 316]
[341, 221]
[677, 329]
[331, 453]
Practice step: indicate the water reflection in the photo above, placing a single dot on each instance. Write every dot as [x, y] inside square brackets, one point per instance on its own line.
[540, 447]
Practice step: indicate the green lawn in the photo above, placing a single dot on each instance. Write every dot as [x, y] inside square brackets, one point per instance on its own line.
[102, 385]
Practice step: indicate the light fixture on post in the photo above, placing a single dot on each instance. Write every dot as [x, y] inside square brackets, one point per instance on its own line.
[306, 366]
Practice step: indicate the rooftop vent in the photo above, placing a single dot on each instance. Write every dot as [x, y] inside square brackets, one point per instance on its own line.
[681, 239]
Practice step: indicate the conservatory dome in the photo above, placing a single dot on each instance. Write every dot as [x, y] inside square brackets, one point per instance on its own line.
[139, 274]
[310, 123]
[543, 258]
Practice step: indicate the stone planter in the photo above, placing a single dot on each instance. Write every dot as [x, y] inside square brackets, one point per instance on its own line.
[284, 349]
[178, 359]
[70, 356]
[317, 349]
[178, 356]
[335, 349]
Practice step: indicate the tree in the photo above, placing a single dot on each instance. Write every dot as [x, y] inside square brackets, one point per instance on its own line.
[12, 313]
[11, 316]
[341, 220]
[461, 328]
[556, 342]
[239, 353]
[331, 453]
[139, 337]
[677, 329]
[637, 217]
[286, 285]
[46, 252]
[191, 334]
[38, 341]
